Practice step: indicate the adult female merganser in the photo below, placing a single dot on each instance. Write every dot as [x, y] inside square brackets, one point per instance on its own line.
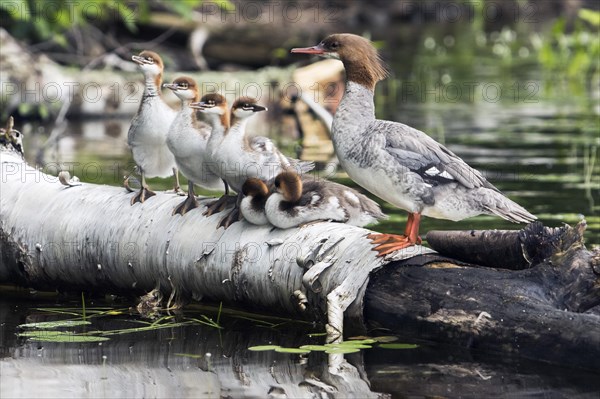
[187, 139]
[398, 163]
[297, 201]
[148, 132]
[236, 157]
[252, 206]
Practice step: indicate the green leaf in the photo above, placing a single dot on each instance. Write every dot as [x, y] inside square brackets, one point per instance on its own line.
[128, 14]
[280, 52]
[578, 64]
[590, 16]
[315, 347]
[291, 350]
[559, 26]
[60, 336]
[398, 346]
[355, 343]
[342, 350]
[386, 338]
[349, 344]
[359, 341]
[263, 348]
[18, 10]
[113, 313]
[43, 111]
[56, 324]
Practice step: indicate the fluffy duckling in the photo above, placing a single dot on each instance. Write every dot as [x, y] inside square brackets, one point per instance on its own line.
[298, 201]
[187, 139]
[215, 109]
[251, 157]
[252, 206]
[148, 132]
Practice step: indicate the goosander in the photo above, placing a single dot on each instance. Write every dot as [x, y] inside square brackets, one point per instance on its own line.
[297, 201]
[252, 206]
[236, 157]
[148, 132]
[396, 162]
[187, 138]
[251, 157]
[214, 107]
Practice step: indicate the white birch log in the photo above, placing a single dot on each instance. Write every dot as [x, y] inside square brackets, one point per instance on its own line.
[88, 237]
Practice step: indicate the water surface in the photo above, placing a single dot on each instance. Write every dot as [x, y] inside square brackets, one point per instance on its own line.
[200, 361]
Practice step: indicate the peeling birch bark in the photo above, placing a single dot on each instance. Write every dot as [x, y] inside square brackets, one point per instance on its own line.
[88, 237]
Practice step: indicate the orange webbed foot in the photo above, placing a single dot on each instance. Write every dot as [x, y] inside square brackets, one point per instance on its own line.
[380, 238]
[385, 244]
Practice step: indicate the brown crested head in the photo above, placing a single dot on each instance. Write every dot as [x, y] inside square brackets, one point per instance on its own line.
[244, 101]
[185, 83]
[214, 104]
[151, 66]
[361, 59]
[255, 188]
[152, 57]
[212, 100]
[185, 87]
[289, 184]
[247, 104]
[245, 107]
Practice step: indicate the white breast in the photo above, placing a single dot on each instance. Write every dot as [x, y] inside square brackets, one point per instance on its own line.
[147, 138]
[252, 215]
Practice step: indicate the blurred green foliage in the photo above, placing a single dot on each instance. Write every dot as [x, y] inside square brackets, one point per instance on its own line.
[575, 52]
[42, 20]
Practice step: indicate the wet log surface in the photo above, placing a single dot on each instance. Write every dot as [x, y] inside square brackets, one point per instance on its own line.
[546, 312]
[492, 248]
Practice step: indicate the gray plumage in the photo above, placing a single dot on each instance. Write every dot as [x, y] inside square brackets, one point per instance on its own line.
[409, 169]
[303, 200]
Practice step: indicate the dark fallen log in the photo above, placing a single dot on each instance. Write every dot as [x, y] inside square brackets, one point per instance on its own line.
[506, 249]
[539, 313]
[88, 237]
[475, 247]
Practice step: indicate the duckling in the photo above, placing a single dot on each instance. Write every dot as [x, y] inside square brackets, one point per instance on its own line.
[215, 109]
[252, 206]
[238, 157]
[187, 139]
[148, 132]
[298, 201]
